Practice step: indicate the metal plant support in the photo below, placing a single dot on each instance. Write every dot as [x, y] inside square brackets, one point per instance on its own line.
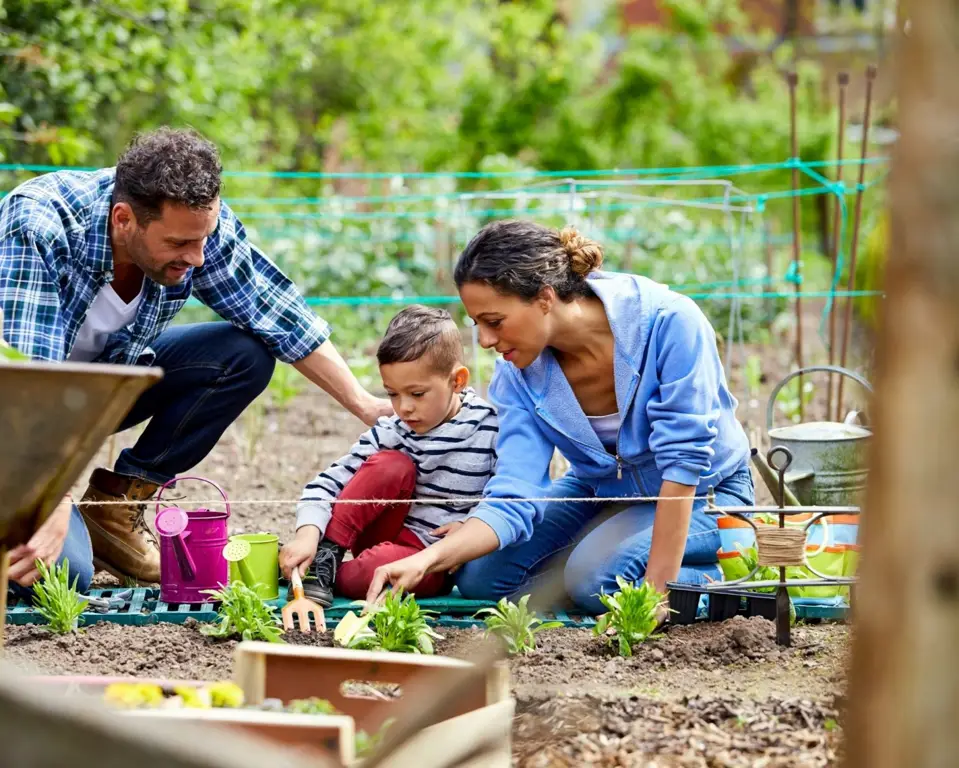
[780, 458]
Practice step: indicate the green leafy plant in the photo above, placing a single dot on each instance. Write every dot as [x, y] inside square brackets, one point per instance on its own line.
[515, 625]
[254, 426]
[366, 743]
[750, 556]
[58, 601]
[398, 624]
[753, 371]
[792, 399]
[632, 614]
[311, 706]
[243, 613]
[285, 385]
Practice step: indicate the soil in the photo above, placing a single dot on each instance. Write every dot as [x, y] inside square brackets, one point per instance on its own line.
[705, 695]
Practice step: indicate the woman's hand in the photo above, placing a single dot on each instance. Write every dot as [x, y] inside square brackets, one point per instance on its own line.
[403, 574]
[45, 545]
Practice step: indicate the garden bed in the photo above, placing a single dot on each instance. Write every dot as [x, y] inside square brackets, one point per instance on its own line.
[710, 694]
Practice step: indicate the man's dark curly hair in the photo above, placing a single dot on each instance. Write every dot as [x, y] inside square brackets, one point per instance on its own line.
[167, 166]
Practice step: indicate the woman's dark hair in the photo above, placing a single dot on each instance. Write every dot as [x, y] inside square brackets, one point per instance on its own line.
[167, 166]
[521, 258]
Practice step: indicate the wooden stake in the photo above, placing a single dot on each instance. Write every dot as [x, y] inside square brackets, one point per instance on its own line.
[842, 81]
[793, 81]
[854, 246]
[904, 685]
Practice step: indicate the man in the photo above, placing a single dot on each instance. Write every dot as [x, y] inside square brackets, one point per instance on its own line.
[93, 268]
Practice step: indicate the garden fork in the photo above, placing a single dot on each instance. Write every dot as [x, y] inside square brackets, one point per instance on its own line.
[299, 609]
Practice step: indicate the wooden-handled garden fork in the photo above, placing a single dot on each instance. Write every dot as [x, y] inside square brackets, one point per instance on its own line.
[299, 609]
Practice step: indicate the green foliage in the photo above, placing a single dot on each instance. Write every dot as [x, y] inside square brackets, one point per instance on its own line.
[753, 371]
[285, 385]
[366, 743]
[788, 400]
[311, 706]
[515, 625]
[750, 557]
[398, 624]
[56, 599]
[632, 614]
[242, 613]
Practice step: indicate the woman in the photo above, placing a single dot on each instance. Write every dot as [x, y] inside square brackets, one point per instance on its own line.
[623, 377]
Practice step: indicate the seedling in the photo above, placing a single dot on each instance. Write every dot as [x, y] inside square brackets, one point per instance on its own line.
[515, 625]
[285, 385]
[311, 706]
[242, 613]
[398, 624]
[56, 599]
[365, 744]
[750, 558]
[632, 615]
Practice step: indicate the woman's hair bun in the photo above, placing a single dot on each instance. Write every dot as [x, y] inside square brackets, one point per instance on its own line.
[585, 255]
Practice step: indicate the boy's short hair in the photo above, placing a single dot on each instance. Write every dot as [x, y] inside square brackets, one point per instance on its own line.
[416, 331]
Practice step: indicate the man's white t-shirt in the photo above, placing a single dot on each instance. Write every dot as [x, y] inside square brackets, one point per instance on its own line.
[107, 314]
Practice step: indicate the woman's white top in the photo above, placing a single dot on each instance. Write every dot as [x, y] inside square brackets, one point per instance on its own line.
[606, 429]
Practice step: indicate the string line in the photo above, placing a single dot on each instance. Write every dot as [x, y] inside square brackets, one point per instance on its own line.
[438, 500]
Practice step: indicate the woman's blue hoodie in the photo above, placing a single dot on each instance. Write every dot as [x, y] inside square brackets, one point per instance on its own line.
[678, 415]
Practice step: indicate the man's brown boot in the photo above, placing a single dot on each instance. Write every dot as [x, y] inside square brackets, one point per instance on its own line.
[123, 543]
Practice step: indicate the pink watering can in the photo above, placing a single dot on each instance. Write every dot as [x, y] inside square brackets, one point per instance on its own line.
[191, 549]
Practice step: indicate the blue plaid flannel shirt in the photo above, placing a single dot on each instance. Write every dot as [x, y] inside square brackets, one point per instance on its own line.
[55, 256]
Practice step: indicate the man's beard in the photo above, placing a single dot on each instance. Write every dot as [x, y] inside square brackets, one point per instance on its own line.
[140, 256]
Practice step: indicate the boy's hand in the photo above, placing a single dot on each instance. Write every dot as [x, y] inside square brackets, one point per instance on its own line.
[446, 530]
[300, 552]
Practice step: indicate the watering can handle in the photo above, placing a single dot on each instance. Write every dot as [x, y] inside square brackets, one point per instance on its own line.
[173, 480]
[770, 408]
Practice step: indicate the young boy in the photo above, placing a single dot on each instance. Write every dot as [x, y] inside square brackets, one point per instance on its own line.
[440, 444]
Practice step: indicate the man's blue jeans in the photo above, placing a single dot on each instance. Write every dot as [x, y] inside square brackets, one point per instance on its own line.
[211, 373]
[613, 545]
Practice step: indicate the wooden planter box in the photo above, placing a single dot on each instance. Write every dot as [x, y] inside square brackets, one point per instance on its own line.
[287, 672]
[265, 670]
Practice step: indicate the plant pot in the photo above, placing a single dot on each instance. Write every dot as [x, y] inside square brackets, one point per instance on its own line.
[761, 605]
[723, 606]
[683, 604]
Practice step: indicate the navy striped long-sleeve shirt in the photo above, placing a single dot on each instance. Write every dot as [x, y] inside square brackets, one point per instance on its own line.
[455, 459]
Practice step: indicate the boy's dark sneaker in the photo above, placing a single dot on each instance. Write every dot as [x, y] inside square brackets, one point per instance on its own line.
[321, 575]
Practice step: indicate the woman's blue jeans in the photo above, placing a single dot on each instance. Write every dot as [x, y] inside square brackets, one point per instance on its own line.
[598, 546]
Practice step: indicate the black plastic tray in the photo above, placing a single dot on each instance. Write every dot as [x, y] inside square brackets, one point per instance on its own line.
[684, 603]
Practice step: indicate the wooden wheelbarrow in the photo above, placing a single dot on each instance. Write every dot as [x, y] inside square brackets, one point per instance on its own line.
[54, 418]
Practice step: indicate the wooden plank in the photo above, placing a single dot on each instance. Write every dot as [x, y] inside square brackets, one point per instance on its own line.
[454, 741]
[38, 730]
[285, 672]
[332, 736]
[904, 685]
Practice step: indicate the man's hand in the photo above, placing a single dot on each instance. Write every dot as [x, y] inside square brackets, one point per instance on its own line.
[375, 409]
[403, 574]
[300, 552]
[326, 368]
[46, 544]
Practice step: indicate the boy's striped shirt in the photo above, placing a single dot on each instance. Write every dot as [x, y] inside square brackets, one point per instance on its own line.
[455, 458]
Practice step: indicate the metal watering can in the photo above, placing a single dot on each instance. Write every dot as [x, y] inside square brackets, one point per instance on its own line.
[191, 549]
[829, 457]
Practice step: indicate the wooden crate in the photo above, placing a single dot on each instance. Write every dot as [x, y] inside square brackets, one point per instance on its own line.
[329, 735]
[286, 672]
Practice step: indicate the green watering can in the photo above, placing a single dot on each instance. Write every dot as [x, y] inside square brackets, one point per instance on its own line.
[254, 560]
[829, 457]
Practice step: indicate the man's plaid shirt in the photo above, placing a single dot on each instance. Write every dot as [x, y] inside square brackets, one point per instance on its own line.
[55, 256]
